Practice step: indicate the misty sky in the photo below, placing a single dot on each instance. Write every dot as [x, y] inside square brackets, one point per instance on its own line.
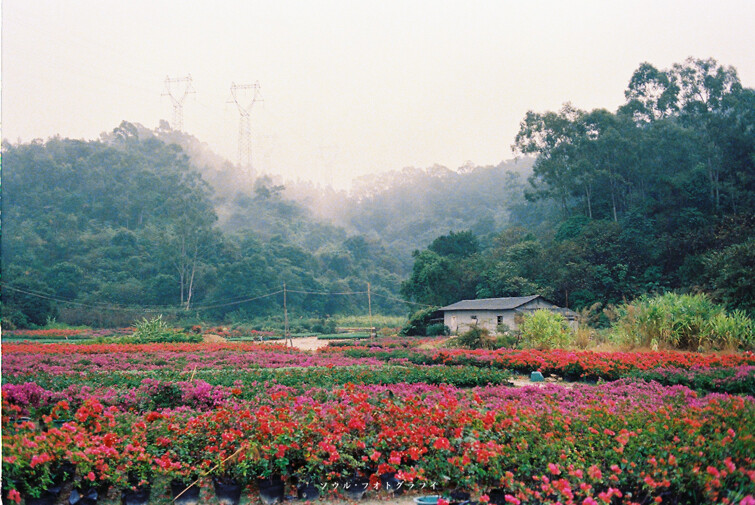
[349, 87]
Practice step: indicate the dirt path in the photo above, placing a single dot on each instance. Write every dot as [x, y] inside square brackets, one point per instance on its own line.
[310, 343]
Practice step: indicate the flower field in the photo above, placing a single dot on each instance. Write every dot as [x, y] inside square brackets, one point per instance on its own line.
[655, 428]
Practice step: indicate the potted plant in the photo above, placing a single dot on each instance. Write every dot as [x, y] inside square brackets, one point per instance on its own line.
[182, 440]
[265, 464]
[28, 474]
[308, 474]
[224, 463]
[134, 463]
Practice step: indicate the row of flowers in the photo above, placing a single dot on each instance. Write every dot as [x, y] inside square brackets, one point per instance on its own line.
[66, 348]
[208, 389]
[734, 380]
[622, 442]
[571, 364]
[65, 333]
[64, 358]
[148, 358]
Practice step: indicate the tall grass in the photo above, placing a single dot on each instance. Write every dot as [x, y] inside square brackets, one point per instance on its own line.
[688, 322]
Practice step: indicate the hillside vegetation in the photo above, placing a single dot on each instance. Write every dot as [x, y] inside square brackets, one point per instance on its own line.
[602, 207]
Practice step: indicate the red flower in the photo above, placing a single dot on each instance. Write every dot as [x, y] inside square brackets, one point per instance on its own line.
[15, 496]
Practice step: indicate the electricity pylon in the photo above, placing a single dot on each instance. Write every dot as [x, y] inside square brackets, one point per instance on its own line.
[178, 100]
[245, 127]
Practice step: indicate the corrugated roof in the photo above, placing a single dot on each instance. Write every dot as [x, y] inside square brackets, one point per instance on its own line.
[507, 303]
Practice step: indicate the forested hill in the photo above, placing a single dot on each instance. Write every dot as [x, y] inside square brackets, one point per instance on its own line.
[96, 230]
[93, 231]
[657, 196]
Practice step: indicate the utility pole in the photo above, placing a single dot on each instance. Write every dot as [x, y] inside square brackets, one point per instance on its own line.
[287, 335]
[245, 127]
[369, 308]
[178, 99]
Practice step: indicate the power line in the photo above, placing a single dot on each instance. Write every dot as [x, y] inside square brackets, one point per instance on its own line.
[137, 309]
[80, 304]
[203, 307]
[402, 301]
[232, 302]
[328, 293]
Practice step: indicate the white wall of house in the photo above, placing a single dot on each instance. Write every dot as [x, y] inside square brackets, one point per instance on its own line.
[459, 321]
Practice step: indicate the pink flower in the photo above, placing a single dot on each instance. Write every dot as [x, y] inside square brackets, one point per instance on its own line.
[594, 472]
[589, 501]
[484, 498]
[554, 469]
[15, 496]
[511, 499]
[747, 500]
[91, 476]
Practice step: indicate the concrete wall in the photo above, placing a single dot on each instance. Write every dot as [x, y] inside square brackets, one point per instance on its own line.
[459, 321]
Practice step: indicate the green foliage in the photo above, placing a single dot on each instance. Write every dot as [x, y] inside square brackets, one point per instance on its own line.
[325, 325]
[507, 338]
[544, 329]
[437, 329]
[474, 338]
[689, 322]
[343, 336]
[418, 322]
[728, 274]
[152, 331]
[456, 245]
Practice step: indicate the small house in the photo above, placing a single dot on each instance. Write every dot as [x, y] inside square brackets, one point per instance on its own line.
[490, 312]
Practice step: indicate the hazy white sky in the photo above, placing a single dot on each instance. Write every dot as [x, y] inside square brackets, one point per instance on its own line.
[349, 87]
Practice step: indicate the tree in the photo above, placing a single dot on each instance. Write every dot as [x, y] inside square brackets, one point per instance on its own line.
[435, 280]
[455, 245]
[652, 94]
[554, 137]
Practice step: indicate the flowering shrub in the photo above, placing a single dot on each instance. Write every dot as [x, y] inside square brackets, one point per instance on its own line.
[570, 364]
[735, 380]
[622, 442]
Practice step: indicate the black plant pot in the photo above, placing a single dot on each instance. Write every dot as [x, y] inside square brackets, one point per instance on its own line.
[356, 487]
[307, 491]
[49, 497]
[65, 473]
[83, 497]
[188, 495]
[459, 497]
[391, 483]
[138, 496]
[228, 492]
[271, 489]
[497, 496]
